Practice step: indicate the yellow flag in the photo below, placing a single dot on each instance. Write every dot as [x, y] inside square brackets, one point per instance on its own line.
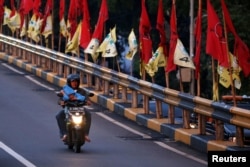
[14, 22]
[35, 34]
[48, 27]
[107, 39]
[157, 60]
[133, 45]
[32, 24]
[181, 56]
[110, 50]
[73, 44]
[225, 74]
[23, 30]
[7, 12]
[63, 27]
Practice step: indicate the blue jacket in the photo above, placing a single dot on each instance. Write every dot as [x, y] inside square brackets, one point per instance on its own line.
[68, 91]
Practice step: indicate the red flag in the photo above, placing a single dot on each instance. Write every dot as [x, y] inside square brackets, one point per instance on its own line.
[36, 7]
[216, 43]
[1, 10]
[85, 30]
[241, 51]
[72, 16]
[160, 26]
[173, 39]
[144, 30]
[24, 9]
[197, 34]
[26, 6]
[61, 10]
[103, 17]
[47, 12]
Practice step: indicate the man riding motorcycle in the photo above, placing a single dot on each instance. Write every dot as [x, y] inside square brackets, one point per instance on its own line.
[73, 82]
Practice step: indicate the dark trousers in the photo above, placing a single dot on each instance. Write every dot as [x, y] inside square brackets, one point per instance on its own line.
[61, 122]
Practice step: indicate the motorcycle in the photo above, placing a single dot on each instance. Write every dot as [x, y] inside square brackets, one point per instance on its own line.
[75, 123]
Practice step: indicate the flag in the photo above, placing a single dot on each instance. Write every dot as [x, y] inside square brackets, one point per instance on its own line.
[23, 28]
[92, 48]
[1, 10]
[225, 74]
[157, 60]
[98, 32]
[73, 44]
[14, 21]
[132, 42]
[197, 34]
[36, 8]
[7, 12]
[24, 9]
[72, 16]
[26, 6]
[107, 39]
[173, 39]
[85, 31]
[216, 44]
[62, 24]
[108, 47]
[181, 56]
[160, 26]
[34, 29]
[103, 17]
[46, 28]
[241, 51]
[110, 50]
[144, 31]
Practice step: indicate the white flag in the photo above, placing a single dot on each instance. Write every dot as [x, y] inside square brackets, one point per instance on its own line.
[181, 56]
[132, 42]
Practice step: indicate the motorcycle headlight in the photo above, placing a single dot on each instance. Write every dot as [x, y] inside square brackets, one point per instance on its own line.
[77, 119]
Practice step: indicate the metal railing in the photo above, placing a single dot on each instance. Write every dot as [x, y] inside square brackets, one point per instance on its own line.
[122, 84]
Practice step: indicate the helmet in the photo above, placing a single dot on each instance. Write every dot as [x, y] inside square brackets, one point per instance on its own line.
[73, 77]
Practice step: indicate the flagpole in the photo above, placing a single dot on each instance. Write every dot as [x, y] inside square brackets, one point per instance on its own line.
[191, 43]
[229, 60]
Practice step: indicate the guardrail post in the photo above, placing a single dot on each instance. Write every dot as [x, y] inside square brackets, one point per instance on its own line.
[145, 104]
[124, 93]
[171, 114]
[158, 109]
[106, 88]
[134, 97]
[202, 124]
[219, 130]
[239, 136]
[116, 91]
[186, 119]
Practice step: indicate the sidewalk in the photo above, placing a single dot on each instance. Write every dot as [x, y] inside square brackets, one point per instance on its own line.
[191, 137]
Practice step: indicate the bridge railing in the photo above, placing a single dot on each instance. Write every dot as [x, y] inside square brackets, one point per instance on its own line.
[102, 79]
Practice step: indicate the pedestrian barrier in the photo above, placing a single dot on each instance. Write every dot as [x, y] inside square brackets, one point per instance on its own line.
[122, 94]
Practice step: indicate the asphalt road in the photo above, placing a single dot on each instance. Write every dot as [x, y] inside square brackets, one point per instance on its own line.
[29, 134]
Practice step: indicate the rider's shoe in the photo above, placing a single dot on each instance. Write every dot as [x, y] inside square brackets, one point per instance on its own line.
[64, 138]
[87, 138]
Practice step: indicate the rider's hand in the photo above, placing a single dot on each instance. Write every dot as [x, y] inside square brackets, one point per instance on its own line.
[88, 102]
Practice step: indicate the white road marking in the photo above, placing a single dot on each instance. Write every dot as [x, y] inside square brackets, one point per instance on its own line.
[12, 69]
[28, 77]
[16, 155]
[161, 144]
[38, 83]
